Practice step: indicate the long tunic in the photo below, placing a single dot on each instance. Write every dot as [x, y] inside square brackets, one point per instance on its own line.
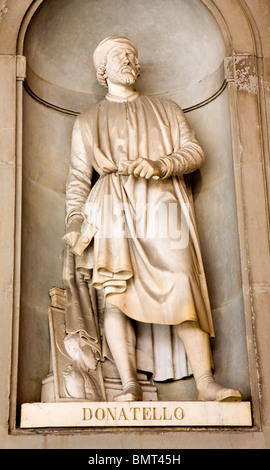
[145, 254]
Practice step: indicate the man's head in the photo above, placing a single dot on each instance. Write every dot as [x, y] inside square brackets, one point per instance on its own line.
[116, 59]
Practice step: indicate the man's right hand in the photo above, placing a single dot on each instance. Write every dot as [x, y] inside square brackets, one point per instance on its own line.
[77, 236]
[73, 230]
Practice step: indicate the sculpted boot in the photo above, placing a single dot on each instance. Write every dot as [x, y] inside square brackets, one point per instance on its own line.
[131, 392]
[197, 346]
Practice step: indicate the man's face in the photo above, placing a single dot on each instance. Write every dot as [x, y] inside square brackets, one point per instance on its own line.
[121, 66]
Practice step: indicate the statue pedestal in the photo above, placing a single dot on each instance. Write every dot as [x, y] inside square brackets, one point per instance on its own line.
[135, 414]
[59, 409]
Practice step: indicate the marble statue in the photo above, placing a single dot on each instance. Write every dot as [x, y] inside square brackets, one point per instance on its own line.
[134, 276]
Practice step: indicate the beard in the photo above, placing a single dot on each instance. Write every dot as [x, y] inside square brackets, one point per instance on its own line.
[124, 76]
[127, 79]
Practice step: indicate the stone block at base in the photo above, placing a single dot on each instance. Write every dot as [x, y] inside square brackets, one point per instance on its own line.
[96, 414]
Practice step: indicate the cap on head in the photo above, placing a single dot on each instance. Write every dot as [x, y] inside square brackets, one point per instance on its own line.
[107, 44]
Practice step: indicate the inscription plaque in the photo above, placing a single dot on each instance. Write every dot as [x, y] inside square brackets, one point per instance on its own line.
[96, 414]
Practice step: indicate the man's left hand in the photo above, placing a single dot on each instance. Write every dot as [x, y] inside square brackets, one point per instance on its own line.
[143, 168]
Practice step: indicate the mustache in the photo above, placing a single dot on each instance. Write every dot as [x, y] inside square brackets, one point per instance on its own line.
[127, 68]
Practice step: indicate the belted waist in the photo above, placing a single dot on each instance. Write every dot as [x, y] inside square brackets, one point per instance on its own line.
[113, 169]
[108, 172]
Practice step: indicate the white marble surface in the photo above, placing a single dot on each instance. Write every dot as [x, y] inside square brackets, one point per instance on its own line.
[95, 414]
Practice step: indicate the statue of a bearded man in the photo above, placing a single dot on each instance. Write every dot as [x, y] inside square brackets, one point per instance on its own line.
[133, 234]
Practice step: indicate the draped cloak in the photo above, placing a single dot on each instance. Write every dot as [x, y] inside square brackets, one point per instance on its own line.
[145, 255]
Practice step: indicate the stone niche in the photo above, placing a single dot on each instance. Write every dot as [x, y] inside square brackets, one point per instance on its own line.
[182, 53]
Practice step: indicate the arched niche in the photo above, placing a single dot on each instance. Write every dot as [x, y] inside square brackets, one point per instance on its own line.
[182, 54]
